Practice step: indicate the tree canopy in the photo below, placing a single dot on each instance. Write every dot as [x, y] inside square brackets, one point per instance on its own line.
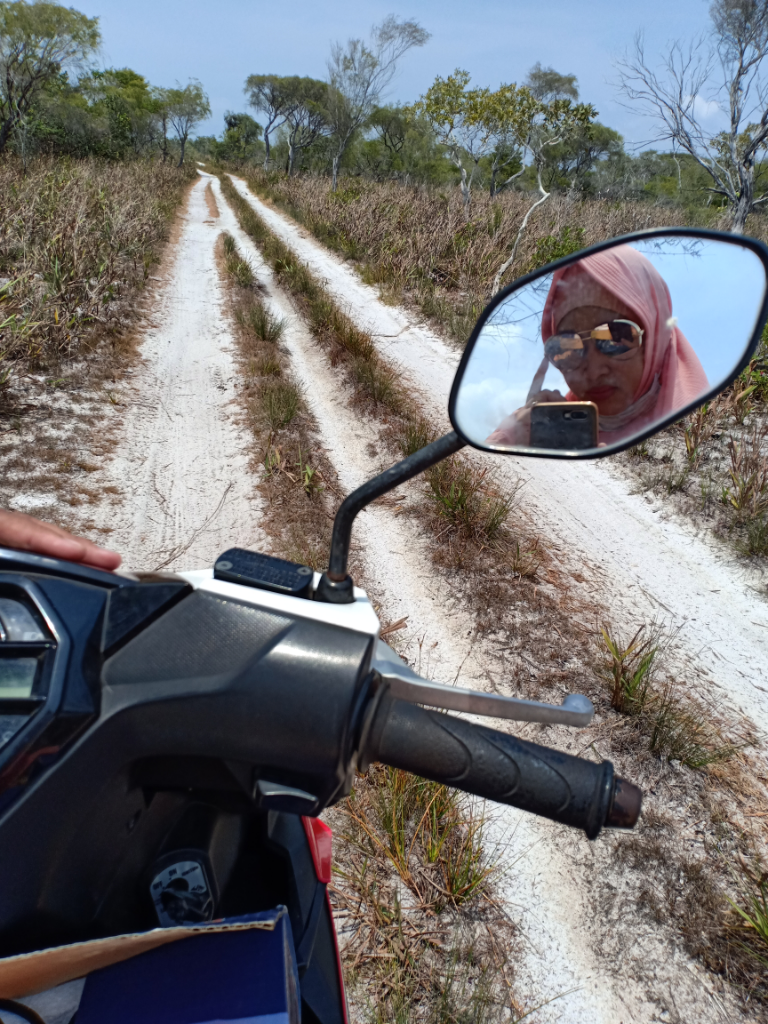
[38, 41]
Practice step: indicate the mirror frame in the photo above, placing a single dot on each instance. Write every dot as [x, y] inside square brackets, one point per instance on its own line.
[745, 241]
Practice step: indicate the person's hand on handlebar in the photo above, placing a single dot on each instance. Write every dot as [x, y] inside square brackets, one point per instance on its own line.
[25, 533]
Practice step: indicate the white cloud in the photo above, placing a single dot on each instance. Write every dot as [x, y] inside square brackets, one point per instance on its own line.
[705, 110]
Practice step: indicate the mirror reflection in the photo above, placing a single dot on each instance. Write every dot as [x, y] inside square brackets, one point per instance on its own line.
[604, 348]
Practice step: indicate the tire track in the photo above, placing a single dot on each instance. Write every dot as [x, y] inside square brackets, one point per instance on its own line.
[181, 489]
[639, 559]
[550, 874]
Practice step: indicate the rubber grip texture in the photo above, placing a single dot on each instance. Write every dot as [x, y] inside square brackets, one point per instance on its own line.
[493, 764]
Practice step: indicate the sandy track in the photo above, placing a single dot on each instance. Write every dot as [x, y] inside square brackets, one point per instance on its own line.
[185, 493]
[571, 956]
[639, 559]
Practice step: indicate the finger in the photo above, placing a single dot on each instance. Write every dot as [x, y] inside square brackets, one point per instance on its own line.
[25, 533]
[101, 558]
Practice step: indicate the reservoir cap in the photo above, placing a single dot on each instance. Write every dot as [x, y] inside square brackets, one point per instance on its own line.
[253, 569]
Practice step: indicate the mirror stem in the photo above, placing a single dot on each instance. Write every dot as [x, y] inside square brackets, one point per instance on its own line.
[335, 585]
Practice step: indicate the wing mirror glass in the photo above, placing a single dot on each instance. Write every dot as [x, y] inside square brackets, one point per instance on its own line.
[599, 351]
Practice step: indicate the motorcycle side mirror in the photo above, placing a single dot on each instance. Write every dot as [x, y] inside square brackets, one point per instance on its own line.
[590, 355]
[600, 350]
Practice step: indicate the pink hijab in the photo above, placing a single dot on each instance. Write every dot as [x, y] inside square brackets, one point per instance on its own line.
[670, 364]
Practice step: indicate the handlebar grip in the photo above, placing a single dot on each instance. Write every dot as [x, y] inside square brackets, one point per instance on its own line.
[503, 768]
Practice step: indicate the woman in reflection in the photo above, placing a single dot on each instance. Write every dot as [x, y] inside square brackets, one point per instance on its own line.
[608, 327]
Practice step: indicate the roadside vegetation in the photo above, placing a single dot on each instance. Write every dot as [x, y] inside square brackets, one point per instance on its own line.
[653, 726]
[419, 248]
[92, 172]
[409, 953]
[78, 241]
[713, 465]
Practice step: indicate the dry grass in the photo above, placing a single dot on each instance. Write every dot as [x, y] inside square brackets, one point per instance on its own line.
[294, 473]
[713, 465]
[420, 940]
[415, 243]
[725, 933]
[676, 725]
[464, 502]
[523, 606]
[77, 238]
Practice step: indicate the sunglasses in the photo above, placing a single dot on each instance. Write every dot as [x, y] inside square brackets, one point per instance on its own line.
[566, 350]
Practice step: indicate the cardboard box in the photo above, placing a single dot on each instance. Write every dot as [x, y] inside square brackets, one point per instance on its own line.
[240, 976]
[44, 969]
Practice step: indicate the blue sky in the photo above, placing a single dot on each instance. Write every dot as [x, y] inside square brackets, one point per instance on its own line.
[222, 43]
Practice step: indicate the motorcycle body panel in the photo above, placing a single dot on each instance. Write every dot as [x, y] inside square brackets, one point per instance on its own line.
[204, 718]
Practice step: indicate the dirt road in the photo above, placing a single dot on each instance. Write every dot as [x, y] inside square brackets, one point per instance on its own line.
[551, 878]
[183, 493]
[641, 560]
[182, 467]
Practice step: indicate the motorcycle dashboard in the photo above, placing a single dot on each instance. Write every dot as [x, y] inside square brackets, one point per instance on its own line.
[33, 654]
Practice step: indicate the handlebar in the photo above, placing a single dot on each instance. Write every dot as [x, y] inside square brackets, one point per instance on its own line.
[492, 764]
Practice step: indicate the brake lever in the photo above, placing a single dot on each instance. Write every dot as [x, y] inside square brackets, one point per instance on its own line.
[576, 710]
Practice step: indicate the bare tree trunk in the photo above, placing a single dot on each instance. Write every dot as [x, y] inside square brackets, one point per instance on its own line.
[335, 171]
[679, 174]
[291, 156]
[508, 263]
[165, 138]
[183, 141]
[466, 192]
[266, 149]
[741, 211]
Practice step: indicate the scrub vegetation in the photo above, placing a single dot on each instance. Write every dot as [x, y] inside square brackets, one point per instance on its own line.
[653, 725]
[78, 240]
[713, 465]
[424, 953]
[418, 246]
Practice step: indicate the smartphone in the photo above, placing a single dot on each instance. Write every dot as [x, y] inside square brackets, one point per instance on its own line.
[565, 425]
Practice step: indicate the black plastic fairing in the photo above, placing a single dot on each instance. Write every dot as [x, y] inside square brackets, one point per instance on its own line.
[211, 682]
[130, 609]
[26, 562]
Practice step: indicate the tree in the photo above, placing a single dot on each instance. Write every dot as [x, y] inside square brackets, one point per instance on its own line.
[306, 115]
[358, 74]
[240, 139]
[37, 42]
[550, 125]
[126, 100]
[500, 127]
[475, 125]
[161, 103]
[269, 94]
[727, 68]
[186, 108]
[401, 145]
[569, 165]
[546, 84]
